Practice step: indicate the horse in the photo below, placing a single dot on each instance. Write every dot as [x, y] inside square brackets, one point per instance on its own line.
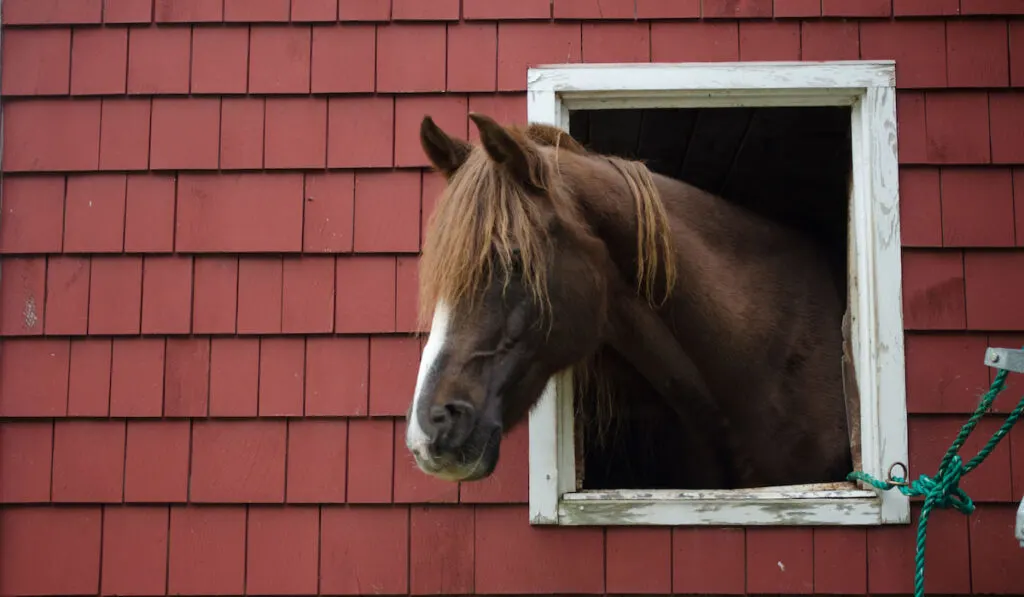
[542, 255]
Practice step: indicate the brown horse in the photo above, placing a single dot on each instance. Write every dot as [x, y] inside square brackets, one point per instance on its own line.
[541, 255]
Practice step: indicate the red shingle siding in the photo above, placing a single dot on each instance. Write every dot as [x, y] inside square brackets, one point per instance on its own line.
[212, 211]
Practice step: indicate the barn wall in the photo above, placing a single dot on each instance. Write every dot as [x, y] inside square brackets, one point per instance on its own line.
[209, 233]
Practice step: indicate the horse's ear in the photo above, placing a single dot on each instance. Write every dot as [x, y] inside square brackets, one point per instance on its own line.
[503, 147]
[445, 153]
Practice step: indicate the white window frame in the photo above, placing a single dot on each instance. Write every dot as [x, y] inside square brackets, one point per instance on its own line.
[874, 284]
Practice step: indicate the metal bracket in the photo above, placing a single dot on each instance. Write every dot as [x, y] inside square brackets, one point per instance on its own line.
[1011, 359]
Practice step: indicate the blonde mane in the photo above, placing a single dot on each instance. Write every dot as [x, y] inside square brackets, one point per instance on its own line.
[484, 217]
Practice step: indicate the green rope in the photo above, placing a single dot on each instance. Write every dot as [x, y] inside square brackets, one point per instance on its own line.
[943, 490]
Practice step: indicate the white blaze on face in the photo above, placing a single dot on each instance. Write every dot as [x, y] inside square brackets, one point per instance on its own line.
[416, 439]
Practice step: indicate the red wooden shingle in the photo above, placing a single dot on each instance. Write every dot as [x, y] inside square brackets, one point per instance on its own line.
[166, 294]
[314, 10]
[751, 9]
[207, 551]
[387, 212]
[156, 461]
[364, 10]
[364, 549]
[977, 207]
[32, 217]
[256, 10]
[34, 377]
[239, 213]
[215, 295]
[259, 295]
[840, 560]
[920, 207]
[891, 555]
[396, 73]
[135, 550]
[36, 61]
[407, 297]
[26, 451]
[94, 217]
[522, 45]
[67, 295]
[360, 132]
[416, 10]
[991, 7]
[185, 133]
[124, 134]
[22, 296]
[830, 40]
[89, 377]
[774, 40]
[413, 486]
[918, 47]
[34, 12]
[238, 461]
[149, 214]
[187, 377]
[668, 9]
[944, 373]
[344, 58]
[616, 42]
[295, 133]
[472, 56]
[638, 560]
[337, 376]
[370, 445]
[50, 551]
[931, 437]
[330, 209]
[911, 132]
[502, 10]
[856, 8]
[234, 377]
[394, 363]
[510, 481]
[513, 557]
[977, 53]
[1007, 135]
[317, 461]
[282, 364]
[933, 290]
[88, 461]
[957, 125]
[796, 8]
[913, 8]
[137, 377]
[220, 59]
[1016, 53]
[282, 551]
[441, 548]
[1018, 203]
[594, 9]
[365, 300]
[308, 295]
[186, 11]
[695, 42]
[158, 59]
[780, 560]
[99, 61]
[279, 59]
[708, 560]
[115, 295]
[996, 557]
[242, 132]
[36, 134]
[1016, 439]
[127, 11]
[994, 281]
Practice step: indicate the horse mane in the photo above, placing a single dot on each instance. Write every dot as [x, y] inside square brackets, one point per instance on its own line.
[484, 214]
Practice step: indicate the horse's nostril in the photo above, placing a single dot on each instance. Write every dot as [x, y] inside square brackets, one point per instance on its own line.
[451, 420]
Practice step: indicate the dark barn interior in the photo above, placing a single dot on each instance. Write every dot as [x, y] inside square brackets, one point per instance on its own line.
[788, 164]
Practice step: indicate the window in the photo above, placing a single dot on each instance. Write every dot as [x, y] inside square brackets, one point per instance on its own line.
[860, 95]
